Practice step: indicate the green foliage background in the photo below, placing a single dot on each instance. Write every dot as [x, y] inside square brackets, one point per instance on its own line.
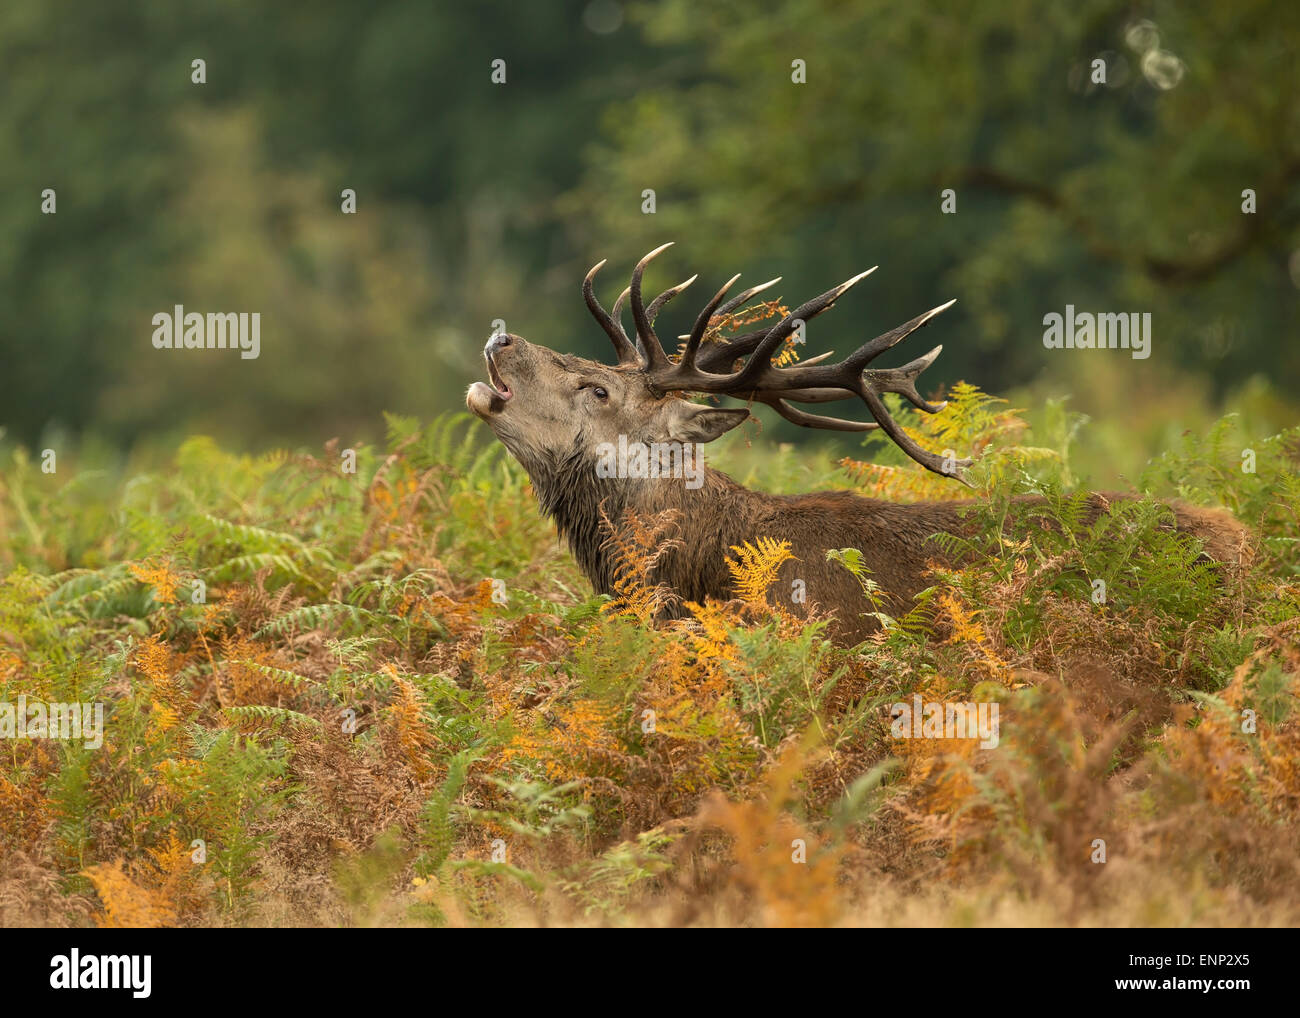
[480, 201]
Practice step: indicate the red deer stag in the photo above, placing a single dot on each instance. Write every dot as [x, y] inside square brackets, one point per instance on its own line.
[556, 413]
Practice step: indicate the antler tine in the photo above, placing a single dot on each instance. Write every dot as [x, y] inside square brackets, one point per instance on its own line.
[656, 359]
[939, 464]
[617, 310]
[613, 328]
[759, 375]
[742, 298]
[869, 351]
[714, 355]
[701, 324]
[763, 354]
[652, 312]
[850, 374]
[796, 416]
[903, 380]
[722, 354]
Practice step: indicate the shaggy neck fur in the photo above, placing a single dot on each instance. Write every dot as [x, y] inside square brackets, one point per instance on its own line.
[570, 491]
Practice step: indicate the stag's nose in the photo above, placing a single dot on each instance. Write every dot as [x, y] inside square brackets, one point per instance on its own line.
[497, 342]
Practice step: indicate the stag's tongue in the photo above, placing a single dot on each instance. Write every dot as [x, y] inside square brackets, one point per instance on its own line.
[484, 400]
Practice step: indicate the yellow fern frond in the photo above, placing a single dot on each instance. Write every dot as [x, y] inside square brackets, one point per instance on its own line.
[156, 661]
[160, 577]
[971, 422]
[127, 904]
[757, 568]
[636, 546]
[968, 630]
[578, 740]
[413, 734]
[177, 875]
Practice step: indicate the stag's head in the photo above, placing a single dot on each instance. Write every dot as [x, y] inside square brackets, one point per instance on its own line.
[549, 409]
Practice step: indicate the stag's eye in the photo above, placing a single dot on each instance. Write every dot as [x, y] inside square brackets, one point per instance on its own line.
[600, 392]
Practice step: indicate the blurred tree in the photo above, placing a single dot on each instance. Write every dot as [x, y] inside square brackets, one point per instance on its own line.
[1115, 196]
[225, 196]
[479, 201]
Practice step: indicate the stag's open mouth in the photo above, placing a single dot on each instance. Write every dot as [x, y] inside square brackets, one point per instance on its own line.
[488, 398]
[498, 385]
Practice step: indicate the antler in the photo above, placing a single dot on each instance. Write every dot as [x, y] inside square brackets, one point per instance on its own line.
[758, 379]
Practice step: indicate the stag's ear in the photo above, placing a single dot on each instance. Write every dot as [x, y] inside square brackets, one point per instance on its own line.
[691, 422]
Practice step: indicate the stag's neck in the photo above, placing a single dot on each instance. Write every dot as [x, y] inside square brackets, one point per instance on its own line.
[578, 499]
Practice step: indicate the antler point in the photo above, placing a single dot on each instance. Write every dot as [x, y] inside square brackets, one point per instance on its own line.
[856, 279]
